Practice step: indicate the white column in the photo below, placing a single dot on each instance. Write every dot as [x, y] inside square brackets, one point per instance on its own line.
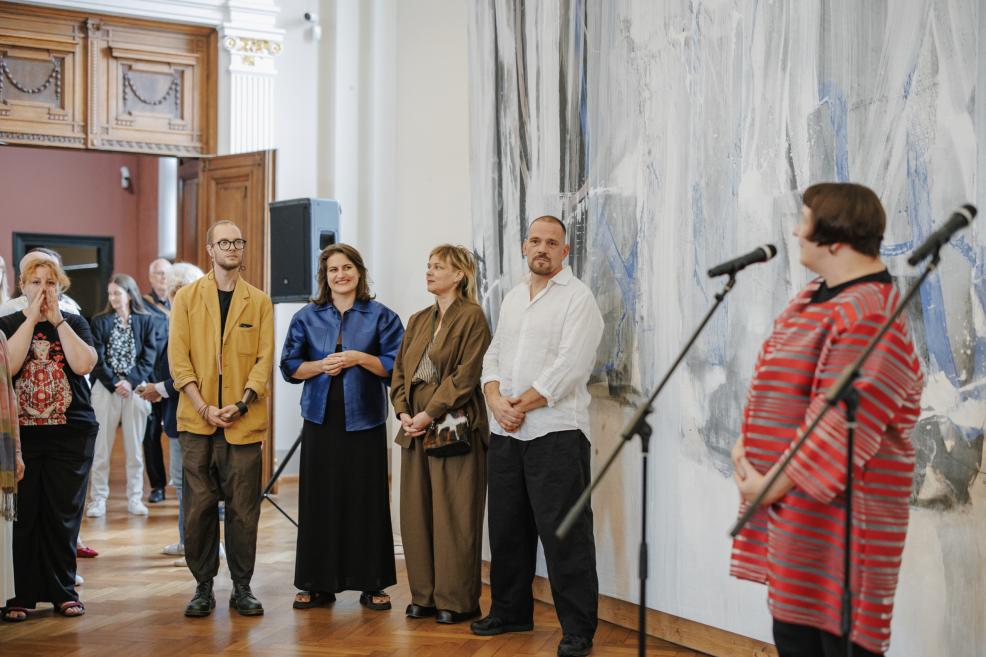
[349, 140]
[248, 44]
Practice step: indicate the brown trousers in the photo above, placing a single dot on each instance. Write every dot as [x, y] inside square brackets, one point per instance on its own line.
[213, 470]
[442, 505]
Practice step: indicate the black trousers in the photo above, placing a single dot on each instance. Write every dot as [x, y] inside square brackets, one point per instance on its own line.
[802, 641]
[153, 452]
[532, 485]
[213, 470]
[50, 501]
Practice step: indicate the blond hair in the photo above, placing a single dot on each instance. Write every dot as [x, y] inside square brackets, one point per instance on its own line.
[462, 259]
[50, 263]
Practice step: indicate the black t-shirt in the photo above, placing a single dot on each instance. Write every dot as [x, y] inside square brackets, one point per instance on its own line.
[49, 393]
[225, 298]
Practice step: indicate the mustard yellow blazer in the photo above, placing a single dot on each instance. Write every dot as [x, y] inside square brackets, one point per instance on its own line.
[245, 352]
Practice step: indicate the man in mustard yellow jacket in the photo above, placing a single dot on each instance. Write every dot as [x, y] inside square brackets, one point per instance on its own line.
[221, 350]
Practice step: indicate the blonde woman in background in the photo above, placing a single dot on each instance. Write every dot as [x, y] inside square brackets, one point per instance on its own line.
[437, 372]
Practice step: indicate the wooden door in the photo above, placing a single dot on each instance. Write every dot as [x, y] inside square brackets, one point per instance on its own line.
[239, 188]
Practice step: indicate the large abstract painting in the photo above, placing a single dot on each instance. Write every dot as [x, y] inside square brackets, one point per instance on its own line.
[672, 135]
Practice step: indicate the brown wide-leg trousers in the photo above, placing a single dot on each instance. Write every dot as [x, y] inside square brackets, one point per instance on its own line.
[442, 505]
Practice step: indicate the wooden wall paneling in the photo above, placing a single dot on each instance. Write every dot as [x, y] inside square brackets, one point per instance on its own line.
[42, 79]
[191, 246]
[152, 85]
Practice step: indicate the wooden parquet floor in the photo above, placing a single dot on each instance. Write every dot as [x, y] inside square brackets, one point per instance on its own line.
[134, 600]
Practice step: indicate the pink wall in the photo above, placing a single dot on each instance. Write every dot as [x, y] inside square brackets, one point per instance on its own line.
[79, 193]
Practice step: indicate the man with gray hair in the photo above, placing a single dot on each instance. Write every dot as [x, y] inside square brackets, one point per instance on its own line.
[156, 301]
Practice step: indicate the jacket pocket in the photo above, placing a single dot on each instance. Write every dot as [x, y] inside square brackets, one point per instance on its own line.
[247, 340]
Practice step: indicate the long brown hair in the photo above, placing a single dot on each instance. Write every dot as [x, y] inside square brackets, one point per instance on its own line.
[324, 293]
[461, 258]
[128, 285]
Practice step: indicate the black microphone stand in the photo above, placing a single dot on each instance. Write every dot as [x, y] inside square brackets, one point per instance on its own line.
[842, 391]
[270, 484]
[638, 426]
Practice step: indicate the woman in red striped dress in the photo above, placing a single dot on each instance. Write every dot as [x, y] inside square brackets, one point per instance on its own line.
[795, 543]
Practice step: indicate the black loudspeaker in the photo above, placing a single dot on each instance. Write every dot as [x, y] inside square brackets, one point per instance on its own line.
[299, 230]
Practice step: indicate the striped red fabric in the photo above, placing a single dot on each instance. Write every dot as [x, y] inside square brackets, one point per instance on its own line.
[796, 546]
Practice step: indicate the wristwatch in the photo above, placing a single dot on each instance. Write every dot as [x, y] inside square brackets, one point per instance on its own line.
[242, 408]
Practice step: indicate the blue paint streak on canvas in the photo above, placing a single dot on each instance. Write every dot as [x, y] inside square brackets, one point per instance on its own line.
[716, 354]
[896, 249]
[829, 92]
[698, 230]
[624, 270]
[964, 248]
[932, 299]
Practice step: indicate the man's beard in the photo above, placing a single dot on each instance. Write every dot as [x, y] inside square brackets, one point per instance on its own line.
[539, 266]
[230, 266]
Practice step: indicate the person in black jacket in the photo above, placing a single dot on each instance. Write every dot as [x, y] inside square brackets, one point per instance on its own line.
[159, 306]
[126, 342]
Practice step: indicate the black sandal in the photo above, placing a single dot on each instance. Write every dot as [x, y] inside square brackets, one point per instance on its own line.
[64, 608]
[366, 599]
[315, 599]
[7, 614]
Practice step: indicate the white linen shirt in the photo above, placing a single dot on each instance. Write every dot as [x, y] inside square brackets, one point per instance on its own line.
[547, 343]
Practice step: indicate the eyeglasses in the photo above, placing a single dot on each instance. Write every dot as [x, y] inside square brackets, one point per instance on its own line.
[226, 245]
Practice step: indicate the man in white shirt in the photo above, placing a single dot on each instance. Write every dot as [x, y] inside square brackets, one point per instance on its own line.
[534, 378]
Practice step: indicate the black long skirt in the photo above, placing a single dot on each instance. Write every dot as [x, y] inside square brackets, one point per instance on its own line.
[345, 540]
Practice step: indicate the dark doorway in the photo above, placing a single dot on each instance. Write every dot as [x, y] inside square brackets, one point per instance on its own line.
[88, 262]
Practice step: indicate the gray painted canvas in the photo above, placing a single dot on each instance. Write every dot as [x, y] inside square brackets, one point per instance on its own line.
[674, 135]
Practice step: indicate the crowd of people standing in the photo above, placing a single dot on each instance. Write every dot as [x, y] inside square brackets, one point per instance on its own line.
[501, 416]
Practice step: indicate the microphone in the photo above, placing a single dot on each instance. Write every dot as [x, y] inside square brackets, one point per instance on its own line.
[759, 254]
[959, 220]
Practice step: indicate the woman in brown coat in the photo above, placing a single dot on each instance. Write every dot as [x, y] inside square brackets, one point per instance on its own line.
[436, 377]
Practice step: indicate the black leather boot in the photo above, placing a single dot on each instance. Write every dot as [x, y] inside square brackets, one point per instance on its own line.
[243, 601]
[203, 602]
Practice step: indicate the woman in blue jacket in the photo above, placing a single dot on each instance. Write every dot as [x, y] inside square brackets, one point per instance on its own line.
[343, 345]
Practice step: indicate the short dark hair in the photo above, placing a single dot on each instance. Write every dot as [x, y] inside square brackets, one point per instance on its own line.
[324, 293]
[846, 213]
[551, 217]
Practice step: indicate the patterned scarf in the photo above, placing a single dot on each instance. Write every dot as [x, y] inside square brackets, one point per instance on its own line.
[9, 430]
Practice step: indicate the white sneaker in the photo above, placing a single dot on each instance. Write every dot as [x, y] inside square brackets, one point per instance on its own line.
[136, 507]
[222, 551]
[78, 580]
[97, 509]
[175, 550]
[180, 563]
